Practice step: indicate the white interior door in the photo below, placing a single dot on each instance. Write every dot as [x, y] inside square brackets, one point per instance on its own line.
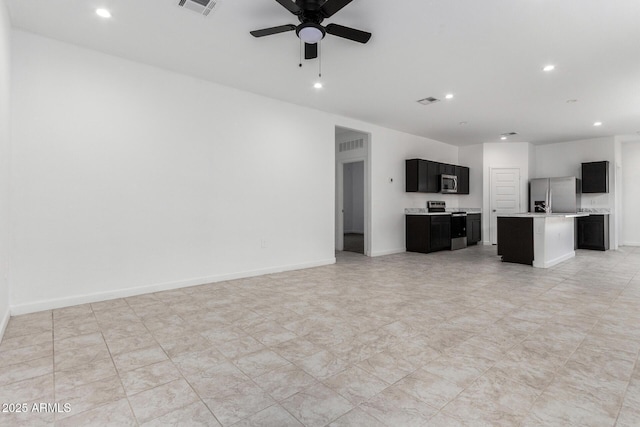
[505, 196]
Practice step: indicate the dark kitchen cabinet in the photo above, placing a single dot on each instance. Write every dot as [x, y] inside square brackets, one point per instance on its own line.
[422, 176]
[428, 233]
[446, 169]
[595, 177]
[474, 229]
[462, 172]
[593, 232]
[515, 240]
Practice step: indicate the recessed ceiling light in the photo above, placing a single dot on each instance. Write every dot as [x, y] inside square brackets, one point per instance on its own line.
[549, 67]
[503, 138]
[597, 124]
[103, 13]
[463, 123]
[571, 101]
[449, 96]
[318, 85]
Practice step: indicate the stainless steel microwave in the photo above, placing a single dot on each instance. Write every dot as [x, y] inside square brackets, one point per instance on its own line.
[448, 183]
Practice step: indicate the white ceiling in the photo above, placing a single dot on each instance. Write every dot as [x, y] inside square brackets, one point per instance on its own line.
[489, 53]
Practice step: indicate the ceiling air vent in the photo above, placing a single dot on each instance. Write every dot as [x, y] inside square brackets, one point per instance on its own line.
[203, 7]
[509, 134]
[428, 101]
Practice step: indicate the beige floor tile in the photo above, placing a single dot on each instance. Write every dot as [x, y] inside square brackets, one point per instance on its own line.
[323, 364]
[356, 418]
[274, 415]
[238, 402]
[240, 347]
[84, 374]
[217, 379]
[131, 343]
[25, 341]
[355, 384]
[296, 349]
[26, 370]
[429, 388]
[177, 346]
[148, 377]
[194, 415]
[260, 363]
[25, 354]
[38, 388]
[116, 413]
[394, 407]
[72, 359]
[139, 358]
[89, 396]
[317, 405]
[192, 363]
[284, 382]
[162, 400]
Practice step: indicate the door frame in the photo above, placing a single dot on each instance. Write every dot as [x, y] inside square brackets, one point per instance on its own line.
[491, 206]
[339, 191]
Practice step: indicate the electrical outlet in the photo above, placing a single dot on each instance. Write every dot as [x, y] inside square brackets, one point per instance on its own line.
[263, 243]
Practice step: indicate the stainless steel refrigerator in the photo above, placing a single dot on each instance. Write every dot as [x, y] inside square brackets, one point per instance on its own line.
[561, 195]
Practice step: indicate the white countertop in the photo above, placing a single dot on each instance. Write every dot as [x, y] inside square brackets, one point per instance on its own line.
[544, 215]
[425, 211]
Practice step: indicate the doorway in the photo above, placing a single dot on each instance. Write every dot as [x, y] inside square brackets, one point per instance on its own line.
[353, 207]
[505, 196]
[352, 216]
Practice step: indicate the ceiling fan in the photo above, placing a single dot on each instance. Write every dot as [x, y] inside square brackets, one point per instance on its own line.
[311, 13]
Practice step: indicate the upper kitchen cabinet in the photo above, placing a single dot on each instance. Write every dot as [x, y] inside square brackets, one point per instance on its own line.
[462, 172]
[446, 169]
[423, 176]
[595, 177]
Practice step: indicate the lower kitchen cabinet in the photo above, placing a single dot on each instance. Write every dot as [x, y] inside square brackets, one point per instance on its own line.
[474, 228]
[593, 232]
[428, 233]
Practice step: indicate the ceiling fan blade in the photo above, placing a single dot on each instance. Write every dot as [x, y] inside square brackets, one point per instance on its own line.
[348, 33]
[331, 7]
[273, 30]
[291, 6]
[310, 51]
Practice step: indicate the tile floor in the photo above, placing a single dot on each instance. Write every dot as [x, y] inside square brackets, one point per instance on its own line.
[446, 339]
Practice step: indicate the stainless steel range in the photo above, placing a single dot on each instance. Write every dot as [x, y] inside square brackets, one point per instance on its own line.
[458, 224]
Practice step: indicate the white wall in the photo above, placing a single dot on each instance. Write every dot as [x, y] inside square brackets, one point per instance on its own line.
[5, 155]
[566, 158]
[504, 155]
[354, 195]
[128, 178]
[472, 157]
[630, 193]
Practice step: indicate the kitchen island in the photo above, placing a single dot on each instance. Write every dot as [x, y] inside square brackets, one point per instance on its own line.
[538, 239]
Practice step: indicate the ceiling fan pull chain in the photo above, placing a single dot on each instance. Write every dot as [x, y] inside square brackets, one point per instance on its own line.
[320, 59]
[300, 64]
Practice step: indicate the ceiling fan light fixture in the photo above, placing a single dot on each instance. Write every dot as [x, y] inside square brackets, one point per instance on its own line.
[310, 32]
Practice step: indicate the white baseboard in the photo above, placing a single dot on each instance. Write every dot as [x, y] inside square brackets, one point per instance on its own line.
[555, 261]
[4, 322]
[486, 243]
[129, 292]
[631, 244]
[388, 252]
